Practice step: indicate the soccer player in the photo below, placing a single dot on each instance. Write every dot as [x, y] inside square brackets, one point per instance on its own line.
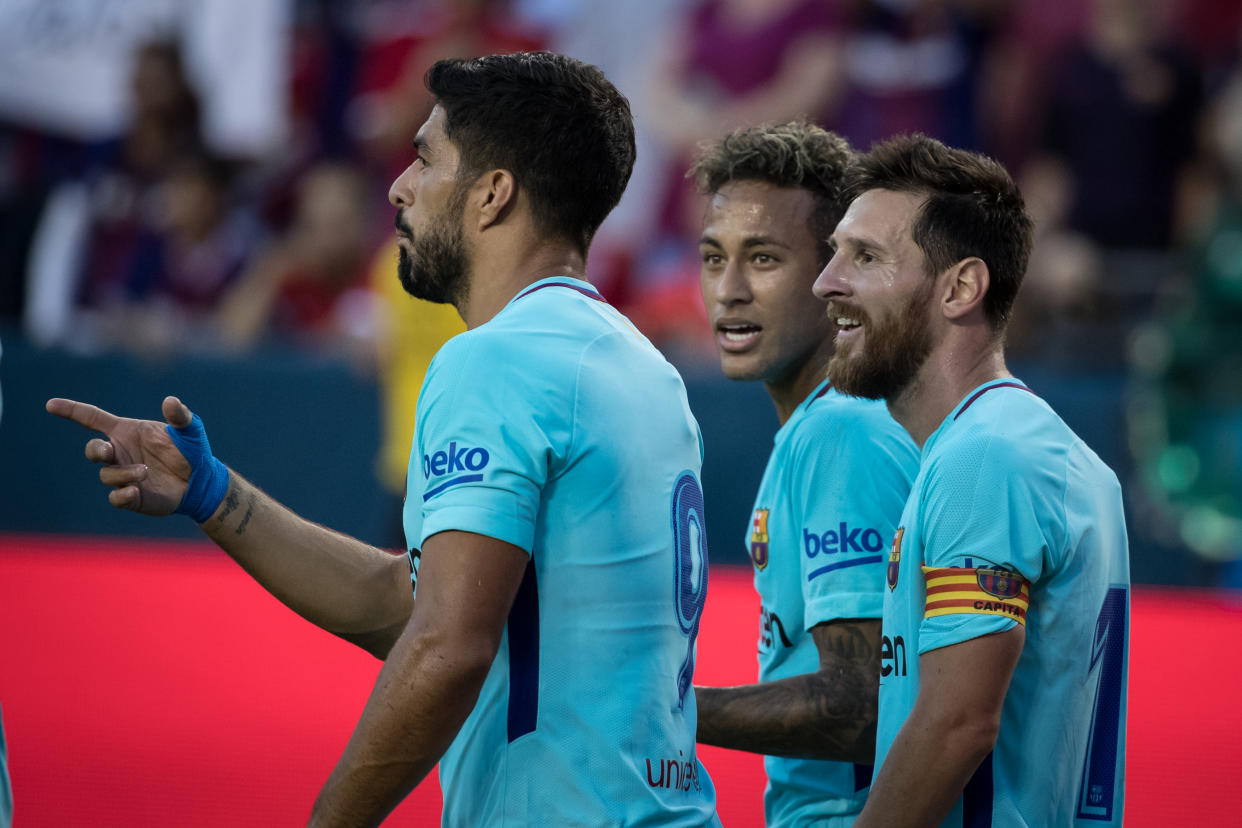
[1006, 612]
[836, 481]
[554, 515]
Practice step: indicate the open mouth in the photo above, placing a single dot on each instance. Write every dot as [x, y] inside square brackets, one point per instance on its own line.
[846, 323]
[847, 319]
[737, 335]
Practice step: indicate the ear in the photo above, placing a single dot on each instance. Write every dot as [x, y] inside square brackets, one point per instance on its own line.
[496, 194]
[963, 288]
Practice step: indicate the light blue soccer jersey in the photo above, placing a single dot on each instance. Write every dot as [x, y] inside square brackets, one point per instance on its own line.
[1013, 519]
[558, 428]
[839, 474]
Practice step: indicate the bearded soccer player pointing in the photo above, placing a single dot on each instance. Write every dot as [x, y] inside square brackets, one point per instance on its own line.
[1004, 660]
[554, 517]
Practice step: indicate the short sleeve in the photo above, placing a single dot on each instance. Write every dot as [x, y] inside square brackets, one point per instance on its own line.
[988, 514]
[489, 426]
[850, 475]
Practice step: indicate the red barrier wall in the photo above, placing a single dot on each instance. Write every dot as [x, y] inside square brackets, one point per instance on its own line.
[154, 684]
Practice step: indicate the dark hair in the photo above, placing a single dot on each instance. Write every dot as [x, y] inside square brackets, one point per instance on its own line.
[973, 208]
[794, 154]
[557, 124]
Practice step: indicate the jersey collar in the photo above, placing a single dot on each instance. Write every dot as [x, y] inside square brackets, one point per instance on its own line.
[583, 287]
[800, 411]
[970, 399]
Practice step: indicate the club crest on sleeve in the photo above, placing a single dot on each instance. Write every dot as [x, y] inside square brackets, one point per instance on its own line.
[894, 558]
[999, 582]
[759, 539]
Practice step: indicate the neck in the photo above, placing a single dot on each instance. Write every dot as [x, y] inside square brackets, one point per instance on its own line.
[790, 392]
[494, 280]
[947, 376]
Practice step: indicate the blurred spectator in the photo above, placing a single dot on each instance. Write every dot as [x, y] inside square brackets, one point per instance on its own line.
[309, 284]
[401, 42]
[166, 120]
[95, 244]
[1121, 123]
[194, 246]
[1186, 417]
[1017, 71]
[729, 63]
[152, 281]
[726, 63]
[913, 66]
[1114, 186]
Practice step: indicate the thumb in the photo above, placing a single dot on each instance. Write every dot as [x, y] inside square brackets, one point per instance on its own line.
[175, 412]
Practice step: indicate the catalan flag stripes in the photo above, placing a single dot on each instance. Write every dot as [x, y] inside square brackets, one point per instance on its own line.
[953, 591]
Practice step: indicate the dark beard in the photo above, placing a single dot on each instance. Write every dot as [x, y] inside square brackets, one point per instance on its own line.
[893, 352]
[435, 270]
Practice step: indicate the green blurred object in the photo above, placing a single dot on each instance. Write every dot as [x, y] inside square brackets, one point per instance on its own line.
[1186, 415]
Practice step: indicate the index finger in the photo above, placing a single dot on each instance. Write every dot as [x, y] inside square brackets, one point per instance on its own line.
[84, 414]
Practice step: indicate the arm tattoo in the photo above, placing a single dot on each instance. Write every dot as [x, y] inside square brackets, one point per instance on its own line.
[241, 527]
[852, 641]
[828, 714]
[230, 503]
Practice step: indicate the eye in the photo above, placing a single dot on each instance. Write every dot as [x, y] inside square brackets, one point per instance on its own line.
[712, 259]
[764, 259]
[864, 257]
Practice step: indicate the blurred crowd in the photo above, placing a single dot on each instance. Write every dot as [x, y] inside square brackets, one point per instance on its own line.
[1122, 119]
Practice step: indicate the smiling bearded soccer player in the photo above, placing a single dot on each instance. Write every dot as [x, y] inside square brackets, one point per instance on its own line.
[834, 486]
[554, 517]
[1003, 689]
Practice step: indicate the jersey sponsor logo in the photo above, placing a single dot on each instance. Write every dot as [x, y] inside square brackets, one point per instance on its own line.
[982, 591]
[894, 558]
[843, 541]
[677, 774]
[463, 461]
[454, 459]
[759, 539]
[770, 627]
[892, 656]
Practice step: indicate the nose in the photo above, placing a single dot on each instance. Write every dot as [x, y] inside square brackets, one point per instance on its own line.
[401, 193]
[831, 283]
[732, 287]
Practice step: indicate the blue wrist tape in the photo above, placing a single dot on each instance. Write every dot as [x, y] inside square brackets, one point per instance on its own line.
[209, 478]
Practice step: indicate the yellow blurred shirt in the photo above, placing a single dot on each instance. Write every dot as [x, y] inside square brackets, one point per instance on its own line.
[411, 332]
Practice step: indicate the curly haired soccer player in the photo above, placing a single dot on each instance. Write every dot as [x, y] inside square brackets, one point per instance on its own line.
[839, 473]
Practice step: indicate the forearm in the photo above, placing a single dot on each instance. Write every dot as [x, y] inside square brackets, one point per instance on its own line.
[924, 773]
[425, 691]
[822, 715]
[954, 724]
[336, 582]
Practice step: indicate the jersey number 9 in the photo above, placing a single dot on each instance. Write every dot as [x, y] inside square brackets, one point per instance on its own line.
[689, 570]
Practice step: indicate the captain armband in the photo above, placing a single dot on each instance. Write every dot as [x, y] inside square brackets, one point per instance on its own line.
[957, 591]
